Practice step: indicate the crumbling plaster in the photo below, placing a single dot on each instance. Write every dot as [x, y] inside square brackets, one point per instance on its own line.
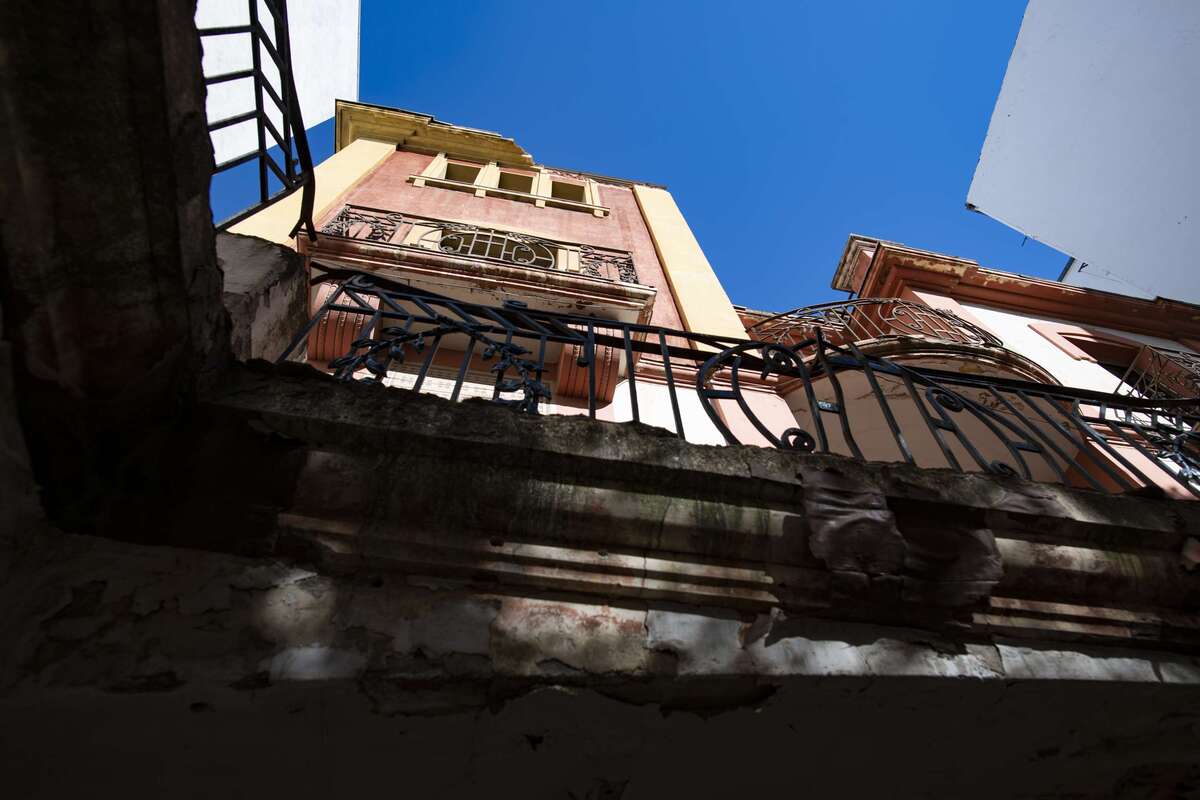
[121, 617]
[265, 293]
[332, 680]
[621, 510]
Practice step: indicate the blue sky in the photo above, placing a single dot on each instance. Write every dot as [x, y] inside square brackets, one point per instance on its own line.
[780, 128]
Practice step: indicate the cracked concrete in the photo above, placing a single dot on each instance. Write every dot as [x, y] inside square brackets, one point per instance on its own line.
[101, 613]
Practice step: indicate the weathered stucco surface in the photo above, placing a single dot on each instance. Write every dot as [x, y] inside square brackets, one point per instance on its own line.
[294, 681]
[266, 294]
[107, 267]
[374, 479]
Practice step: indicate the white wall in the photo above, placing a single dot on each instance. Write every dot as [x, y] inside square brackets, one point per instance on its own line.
[324, 38]
[1097, 276]
[654, 408]
[654, 402]
[1092, 146]
[1013, 329]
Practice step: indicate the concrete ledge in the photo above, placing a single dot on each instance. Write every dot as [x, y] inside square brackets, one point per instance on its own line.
[266, 294]
[626, 603]
[565, 504]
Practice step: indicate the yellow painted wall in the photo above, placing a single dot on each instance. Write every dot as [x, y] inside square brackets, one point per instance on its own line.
[703, 304]
[334, 176]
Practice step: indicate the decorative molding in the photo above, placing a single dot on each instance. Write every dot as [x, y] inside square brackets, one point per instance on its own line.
[423, 132]
[892, 269]
[1060, 335]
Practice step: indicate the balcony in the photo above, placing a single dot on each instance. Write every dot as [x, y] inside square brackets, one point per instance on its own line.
[483, 264]
[1159, 373]
[838, 398]
[868, 320]
[472, 241]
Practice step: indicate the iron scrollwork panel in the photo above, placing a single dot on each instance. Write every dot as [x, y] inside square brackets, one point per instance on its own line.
[513, 248]
[1006, 428]
[870, 318]
[417, 324]
[473, 241]
[378, 226]
[596, 263]
[842, 401]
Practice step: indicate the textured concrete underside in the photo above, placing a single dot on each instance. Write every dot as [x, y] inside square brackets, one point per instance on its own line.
[383, 479]
[168, 671]
[836, 738]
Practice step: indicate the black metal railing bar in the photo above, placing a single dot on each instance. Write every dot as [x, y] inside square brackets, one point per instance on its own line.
[297, 170]
[841, 400]
[871, 318]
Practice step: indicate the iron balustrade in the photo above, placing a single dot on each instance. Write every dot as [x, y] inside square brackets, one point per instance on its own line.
[871, 318]
[841, 400]
[297, 170]
[1159, 373]
[402, 229]
[875, 409]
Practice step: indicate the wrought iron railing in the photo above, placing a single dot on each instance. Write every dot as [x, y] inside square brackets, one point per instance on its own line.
[838, 399]
[402, 229]
[870, 318]
[297, 169]
[1159, 373]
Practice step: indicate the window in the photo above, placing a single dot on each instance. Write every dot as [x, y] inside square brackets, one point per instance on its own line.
[562, 190]
[463, 173]
[1114, 353]
[516, 182]
[512, 181]
[1115, 356]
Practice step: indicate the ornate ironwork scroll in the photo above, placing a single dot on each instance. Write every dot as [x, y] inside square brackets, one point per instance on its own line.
[513, 248]
[597, 262]
[841, 400]
[473, 241]
[963, 422]
[871, 318]
[380, 226]
[1157, 372]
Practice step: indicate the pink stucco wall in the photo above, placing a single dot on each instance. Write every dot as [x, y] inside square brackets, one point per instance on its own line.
[388, 188]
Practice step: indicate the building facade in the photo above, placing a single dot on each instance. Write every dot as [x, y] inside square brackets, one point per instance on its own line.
[221, 575]
[568, 293]
[468, 215]
[1059, 383]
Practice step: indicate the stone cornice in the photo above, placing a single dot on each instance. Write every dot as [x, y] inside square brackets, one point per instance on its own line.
[875, 268]
[424, 133]
[416, 131]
